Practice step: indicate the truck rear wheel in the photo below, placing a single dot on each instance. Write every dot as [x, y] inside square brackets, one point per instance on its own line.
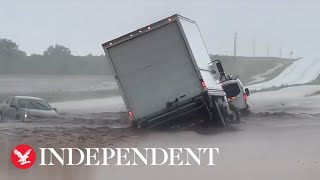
[217, 115]
[1, 116]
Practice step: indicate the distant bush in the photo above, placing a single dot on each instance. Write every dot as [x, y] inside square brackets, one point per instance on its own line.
[9, 48]
[57, 50]
[56, 59]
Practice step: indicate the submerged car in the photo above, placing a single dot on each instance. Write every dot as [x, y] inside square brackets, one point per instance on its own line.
[22, 107]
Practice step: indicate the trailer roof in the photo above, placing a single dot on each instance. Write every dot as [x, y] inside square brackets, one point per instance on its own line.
[145, 29]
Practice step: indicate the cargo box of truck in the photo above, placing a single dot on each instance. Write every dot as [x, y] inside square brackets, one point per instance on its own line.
[162, 71]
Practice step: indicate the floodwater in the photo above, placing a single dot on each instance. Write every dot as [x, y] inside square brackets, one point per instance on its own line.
[278, 141]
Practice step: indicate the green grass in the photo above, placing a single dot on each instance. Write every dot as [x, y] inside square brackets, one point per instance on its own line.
[247, 67]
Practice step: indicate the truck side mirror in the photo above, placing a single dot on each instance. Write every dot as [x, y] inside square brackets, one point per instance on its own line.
[220, 67]
[247, 91]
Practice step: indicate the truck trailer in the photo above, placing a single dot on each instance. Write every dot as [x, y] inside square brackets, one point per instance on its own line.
[162, 71]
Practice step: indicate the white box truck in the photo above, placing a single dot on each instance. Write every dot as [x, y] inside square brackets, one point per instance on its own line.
[162, 71]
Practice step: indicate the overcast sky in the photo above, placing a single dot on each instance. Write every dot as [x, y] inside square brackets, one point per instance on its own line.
[82, 25]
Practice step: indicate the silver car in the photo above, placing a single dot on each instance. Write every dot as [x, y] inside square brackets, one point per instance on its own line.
[22, 107]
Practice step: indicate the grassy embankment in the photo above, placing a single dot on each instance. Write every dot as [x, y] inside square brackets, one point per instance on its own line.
[248, 67]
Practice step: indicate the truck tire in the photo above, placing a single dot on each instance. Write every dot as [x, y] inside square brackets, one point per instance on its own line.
[217, 115]
[134, 125]
[245, 112]
[235, 113]
[1, 116]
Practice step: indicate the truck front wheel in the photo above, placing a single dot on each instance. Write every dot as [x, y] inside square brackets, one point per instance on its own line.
[134, 124]
[235, 113]
[246, 112]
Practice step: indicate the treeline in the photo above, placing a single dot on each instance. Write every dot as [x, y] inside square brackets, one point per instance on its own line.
[56, 59]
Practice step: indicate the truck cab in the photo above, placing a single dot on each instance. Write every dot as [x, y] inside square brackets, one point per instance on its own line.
[236, 94]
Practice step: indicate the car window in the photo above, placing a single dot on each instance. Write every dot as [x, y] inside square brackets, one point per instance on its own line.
[231, 90]
[9, 101]
[14, 101]
[34, 104]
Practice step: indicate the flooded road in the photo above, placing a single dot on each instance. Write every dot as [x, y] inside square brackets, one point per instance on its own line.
[278, 143]
[110, 104]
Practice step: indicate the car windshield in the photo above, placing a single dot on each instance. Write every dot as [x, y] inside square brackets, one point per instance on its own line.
[34, 104]
[231, 90]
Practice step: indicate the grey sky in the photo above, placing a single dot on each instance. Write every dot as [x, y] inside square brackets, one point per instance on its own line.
[82, 25]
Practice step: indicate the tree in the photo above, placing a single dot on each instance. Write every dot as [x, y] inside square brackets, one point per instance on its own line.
[10, 48]
[35, 55]
[57, 50]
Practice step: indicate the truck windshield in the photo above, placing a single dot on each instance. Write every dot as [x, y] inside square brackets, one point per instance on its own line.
[231, 90]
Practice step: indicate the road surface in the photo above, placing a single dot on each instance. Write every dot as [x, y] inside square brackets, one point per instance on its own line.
[280, 143]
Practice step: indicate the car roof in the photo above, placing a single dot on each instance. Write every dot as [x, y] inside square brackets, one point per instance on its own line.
[27, 97]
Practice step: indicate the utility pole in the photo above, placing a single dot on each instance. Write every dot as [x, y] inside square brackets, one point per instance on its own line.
[280, 52]
[268, 48]
[235, 45]
[254, 47]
